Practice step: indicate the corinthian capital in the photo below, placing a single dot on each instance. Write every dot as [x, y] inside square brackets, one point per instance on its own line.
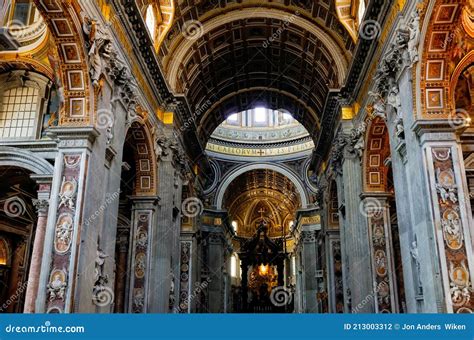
[41, 205]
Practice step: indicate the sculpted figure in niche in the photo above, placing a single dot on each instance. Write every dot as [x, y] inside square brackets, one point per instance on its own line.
[358, 138]
[99, 267]
[414, 29]
[378, 106]
[415, 255]
[393, 99]
[57, 93]
[98, 38]
[163, 145]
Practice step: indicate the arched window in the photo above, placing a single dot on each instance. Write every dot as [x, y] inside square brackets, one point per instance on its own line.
[260, 116]
[19, 112]
[150, 21]
[23, 100]
[22, 13]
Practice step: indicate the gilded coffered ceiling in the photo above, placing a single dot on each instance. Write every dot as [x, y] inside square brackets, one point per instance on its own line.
[233, 55]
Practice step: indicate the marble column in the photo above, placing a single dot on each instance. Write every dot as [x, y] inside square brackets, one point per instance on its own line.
[381, 250]
[41, 205]
[355, 236]
[176, 232]
[245, 272]
[15, 281]
[452, 228]
[162, 276]
[299, 295]
[408, 184]
[309, 254]
[335, 273]
[216, 265]
[141, 262]
[281, 272]
[415, 177]
[344, 232]
[218, 247]
[121, 274]
[70, 246]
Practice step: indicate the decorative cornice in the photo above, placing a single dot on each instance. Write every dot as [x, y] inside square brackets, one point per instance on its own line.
[74, 137]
